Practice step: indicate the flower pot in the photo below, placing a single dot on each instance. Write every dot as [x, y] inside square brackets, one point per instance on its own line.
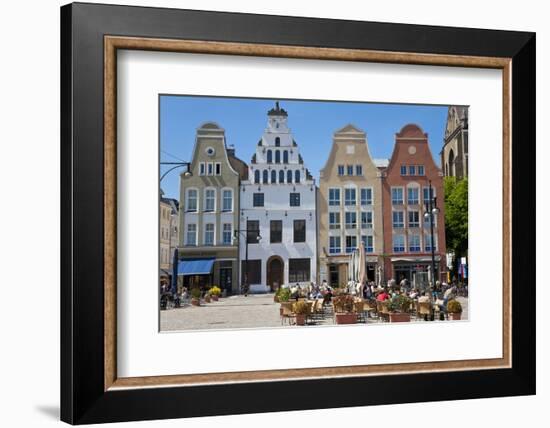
[300, 319]
[400, 317]
[455, 316]
[276, 299]
[344, 318]
[207, 299]
[215, 298]
[195, 302]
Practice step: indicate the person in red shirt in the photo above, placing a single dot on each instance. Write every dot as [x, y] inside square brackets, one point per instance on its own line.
[383, 295]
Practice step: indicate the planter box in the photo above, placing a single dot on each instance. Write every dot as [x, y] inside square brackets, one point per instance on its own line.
[400, 317]
[346, 318]
[300, 319]
[276, 299]
[455, 317]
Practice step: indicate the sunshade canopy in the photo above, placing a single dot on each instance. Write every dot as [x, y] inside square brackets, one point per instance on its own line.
[195, 267]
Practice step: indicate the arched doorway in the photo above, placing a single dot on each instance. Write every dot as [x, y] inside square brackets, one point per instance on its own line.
[275, 272]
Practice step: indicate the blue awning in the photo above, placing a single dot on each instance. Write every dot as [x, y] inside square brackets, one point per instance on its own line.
[195, 267]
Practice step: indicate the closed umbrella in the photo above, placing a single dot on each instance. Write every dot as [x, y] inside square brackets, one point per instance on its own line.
[362, 267]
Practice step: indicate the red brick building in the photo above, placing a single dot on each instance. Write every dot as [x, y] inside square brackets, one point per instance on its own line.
[405, 190]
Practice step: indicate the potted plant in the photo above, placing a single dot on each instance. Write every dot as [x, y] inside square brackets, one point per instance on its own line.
[276, 295]
[207, 298]
[301, 309]
[215, 292]
[344, 309]
[195, 296]
[284, 295]
[454, 309]
[399, 309]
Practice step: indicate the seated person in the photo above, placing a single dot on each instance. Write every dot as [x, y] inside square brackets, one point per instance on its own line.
[315, 292]
[425, 298]
[383, 296]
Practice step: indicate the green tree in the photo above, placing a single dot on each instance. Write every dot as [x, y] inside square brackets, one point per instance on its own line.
[456, 215]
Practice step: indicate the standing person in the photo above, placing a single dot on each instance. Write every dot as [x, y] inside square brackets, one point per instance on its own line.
[367, 291]
[327, 290]
[184, 294]
[404, 284]
[316, 290]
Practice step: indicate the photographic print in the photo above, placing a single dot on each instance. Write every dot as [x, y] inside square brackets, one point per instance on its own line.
[290, 213]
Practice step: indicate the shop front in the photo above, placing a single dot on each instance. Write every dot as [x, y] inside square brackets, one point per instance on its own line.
[417, 270]
[338, 270]
[196, 273]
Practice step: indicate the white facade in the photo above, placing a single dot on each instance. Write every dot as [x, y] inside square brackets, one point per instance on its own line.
[278, 173]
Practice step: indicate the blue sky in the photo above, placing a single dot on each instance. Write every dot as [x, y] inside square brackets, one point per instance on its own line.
[311, 122]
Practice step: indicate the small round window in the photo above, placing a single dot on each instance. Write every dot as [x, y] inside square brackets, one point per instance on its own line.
[210, 151]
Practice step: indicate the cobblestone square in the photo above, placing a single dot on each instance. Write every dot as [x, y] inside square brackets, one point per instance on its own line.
[236, 312]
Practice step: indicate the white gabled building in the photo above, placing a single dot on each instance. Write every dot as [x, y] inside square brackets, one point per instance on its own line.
[278, 203]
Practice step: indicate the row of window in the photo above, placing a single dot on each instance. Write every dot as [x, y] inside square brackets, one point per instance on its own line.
[334, 221]
[397, 195]
[412, 170]
[275, 231]
[350, 170]
[350, 196]
[208, 234]
[265, 177]
[357, 170]
[165, 256]
[299, 270]
[165, 213]
[210, 202]
[398, 221]
[334, 197]
[252, 232]
[258, 199]
[277, 156]
[210, 168]
[165, 232]
[399, 244]
[335, 244]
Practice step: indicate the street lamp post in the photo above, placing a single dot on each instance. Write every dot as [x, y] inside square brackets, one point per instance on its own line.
[430, 213]
[236, 236]
[187, 173]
